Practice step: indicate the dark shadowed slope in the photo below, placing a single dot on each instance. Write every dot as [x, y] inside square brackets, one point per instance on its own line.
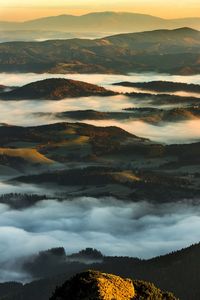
[163, 86]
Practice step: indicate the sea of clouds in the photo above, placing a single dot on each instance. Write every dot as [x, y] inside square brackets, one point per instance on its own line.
[114, 227]
[25, 113]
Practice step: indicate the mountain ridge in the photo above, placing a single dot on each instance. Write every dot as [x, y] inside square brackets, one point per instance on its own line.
[105, 22]
[163, 51]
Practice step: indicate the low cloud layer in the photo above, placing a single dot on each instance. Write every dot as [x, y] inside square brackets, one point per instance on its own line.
[115, 228]
[19, 79]
[177, 132]
[23, 112]
[6, 188]
[169, 133]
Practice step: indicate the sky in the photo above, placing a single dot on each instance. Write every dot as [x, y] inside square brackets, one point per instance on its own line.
[20, 10]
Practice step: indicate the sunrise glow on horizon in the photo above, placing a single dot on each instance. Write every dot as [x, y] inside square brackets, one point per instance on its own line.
[20, 10]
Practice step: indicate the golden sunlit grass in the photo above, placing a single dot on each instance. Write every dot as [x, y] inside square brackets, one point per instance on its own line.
[31, 155]
[114, 287]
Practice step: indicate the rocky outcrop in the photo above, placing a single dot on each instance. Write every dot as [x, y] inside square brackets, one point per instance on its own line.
[94, 285]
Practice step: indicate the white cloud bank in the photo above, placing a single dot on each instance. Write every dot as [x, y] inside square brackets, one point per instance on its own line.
[114, 227]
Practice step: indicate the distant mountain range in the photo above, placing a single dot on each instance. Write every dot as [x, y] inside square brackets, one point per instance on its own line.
[106, 22]
[167, 51]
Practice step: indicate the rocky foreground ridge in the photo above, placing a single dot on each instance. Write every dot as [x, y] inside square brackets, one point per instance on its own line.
[93, 285]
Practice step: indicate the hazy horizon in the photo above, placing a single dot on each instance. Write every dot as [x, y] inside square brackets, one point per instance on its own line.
[15, 10]
[93, 12]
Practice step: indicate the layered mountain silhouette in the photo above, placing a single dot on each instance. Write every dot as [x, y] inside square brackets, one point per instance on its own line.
[101, 22]
[172, 51]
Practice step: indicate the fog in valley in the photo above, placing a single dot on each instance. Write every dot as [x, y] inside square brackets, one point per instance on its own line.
[19, 79]
[169, 133]
[116, 228]
[24, 113]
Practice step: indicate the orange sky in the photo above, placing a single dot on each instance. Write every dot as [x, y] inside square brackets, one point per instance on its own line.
[19, 10]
